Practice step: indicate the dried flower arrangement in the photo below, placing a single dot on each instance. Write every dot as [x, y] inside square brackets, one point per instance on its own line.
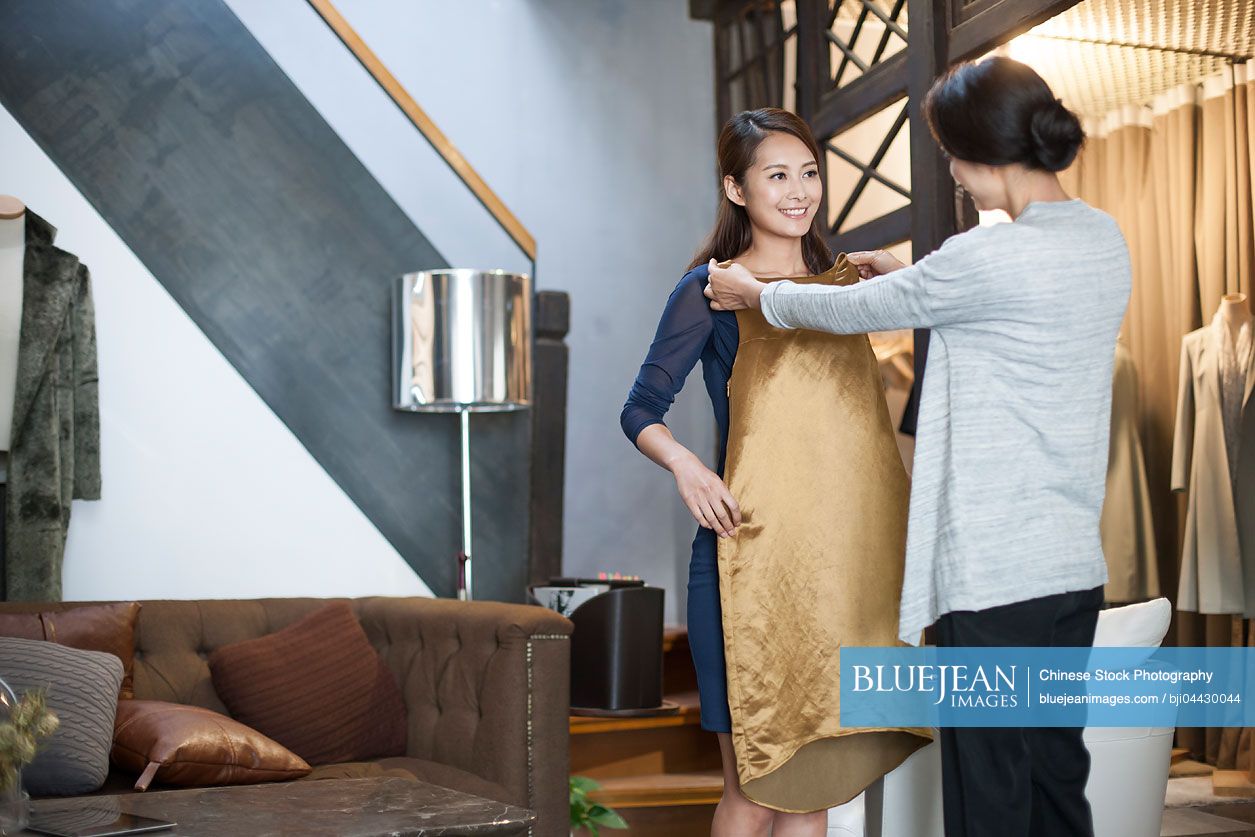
[29, 720]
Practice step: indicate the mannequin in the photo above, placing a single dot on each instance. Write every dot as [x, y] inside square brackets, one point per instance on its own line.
[1235, 316]
[1214, 462]
[1236, 312]
[12, 253]
[12, 256]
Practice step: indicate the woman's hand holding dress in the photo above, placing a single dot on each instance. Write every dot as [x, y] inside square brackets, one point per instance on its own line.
[706, 495]
[874, 263]
[732, 287]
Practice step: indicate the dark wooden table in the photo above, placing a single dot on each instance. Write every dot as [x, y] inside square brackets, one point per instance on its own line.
[380, 807]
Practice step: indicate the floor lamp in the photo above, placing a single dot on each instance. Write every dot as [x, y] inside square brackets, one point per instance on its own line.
[462, 343]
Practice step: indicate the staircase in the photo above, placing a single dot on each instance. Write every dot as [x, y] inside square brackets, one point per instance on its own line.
[662, 773]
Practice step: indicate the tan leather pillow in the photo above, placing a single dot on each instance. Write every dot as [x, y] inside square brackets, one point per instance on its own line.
[106, 627]
[317, 687]
[188, 745]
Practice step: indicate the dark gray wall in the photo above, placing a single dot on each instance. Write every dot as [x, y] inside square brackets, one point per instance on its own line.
[234, 192]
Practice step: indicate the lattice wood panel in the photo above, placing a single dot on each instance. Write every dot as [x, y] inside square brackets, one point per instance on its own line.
[869, 169]
[756, 56]
[861, 34]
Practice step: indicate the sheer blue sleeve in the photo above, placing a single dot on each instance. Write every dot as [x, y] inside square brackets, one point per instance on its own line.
[682, 334]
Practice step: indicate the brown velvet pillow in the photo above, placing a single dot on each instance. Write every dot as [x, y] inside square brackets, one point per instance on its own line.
[107, 627]
[317, 687]
[188, 745]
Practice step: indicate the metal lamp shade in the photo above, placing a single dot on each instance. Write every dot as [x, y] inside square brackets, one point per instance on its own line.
[462, 341]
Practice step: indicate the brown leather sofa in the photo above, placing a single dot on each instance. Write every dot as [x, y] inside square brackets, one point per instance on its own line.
[485, 685]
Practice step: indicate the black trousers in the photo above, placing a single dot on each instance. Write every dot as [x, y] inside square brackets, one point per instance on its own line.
[1018, 781]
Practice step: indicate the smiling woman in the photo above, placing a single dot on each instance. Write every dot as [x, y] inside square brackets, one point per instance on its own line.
[765, 554]
[770, 193]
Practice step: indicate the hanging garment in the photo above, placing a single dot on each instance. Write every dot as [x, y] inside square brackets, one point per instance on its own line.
[1218, 559]
[817, 562]
[1128, 532]
[54, 453]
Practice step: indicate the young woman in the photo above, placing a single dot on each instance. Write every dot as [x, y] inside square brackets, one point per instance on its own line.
[1011, 451]
[775, 591]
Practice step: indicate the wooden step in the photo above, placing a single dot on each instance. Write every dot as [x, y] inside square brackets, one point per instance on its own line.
[605, 748]
[678, 675]
[660, 790]
[689, 715]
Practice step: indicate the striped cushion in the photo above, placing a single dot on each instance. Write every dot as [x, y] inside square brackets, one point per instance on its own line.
[318, 687]
[82, 688]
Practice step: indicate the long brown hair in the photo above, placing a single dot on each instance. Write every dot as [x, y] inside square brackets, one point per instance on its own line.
[738, 144]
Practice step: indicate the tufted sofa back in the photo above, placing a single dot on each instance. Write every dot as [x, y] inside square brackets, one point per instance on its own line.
[485, 683]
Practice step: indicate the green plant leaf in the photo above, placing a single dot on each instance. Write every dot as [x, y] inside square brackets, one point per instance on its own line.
[607, 817]
[583, 784]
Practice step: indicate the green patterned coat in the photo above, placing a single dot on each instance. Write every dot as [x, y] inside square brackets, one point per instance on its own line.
[55, 447]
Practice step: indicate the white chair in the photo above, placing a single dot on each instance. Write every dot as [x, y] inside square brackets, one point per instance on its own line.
[1128, 774]
[1128, 768]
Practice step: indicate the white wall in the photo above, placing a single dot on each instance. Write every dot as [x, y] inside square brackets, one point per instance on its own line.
[593, 120]
[206, 494]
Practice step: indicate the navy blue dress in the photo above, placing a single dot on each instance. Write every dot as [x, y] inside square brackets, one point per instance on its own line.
[688, 332]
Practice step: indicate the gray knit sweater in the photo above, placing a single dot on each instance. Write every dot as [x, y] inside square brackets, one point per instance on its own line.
[1011, 448]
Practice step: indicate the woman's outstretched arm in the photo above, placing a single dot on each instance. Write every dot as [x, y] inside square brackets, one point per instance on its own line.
[940, 288]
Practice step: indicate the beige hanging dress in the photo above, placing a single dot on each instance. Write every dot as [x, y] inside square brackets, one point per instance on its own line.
[817, 562]
[1127, 526]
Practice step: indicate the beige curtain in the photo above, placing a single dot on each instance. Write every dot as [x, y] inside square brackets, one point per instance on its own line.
[1177, 176]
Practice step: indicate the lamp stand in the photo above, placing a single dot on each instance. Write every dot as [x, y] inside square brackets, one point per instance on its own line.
[465, 574]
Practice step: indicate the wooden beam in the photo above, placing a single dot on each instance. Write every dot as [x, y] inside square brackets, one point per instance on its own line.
[702, 9]
[964, 10]
[444, 147]
[850, 55]
[549, 412]
[812, 57]
[843, 108]
[753, 21]
[998, 24]
[813, 73]
[932, 188]
[875, 235]
[723, 89]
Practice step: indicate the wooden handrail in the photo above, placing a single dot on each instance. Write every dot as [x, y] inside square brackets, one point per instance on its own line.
[513, 227]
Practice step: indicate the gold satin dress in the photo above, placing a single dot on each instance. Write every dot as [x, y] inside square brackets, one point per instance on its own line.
[817, 562]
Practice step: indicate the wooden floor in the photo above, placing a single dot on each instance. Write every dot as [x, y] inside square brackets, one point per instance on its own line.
[1235, 819]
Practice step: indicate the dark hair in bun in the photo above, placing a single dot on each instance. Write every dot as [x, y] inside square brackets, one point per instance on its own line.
[1000, 111]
